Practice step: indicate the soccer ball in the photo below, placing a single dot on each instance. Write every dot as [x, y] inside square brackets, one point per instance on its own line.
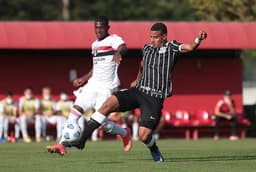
[71, 132]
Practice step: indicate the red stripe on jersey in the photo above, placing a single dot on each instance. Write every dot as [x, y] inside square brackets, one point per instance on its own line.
[105, 48]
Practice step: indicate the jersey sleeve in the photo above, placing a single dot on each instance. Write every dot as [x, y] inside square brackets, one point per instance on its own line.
[116, 41]
[175, 45]
[144, 49]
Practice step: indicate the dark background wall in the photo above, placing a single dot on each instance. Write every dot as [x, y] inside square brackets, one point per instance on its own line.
[200, 78]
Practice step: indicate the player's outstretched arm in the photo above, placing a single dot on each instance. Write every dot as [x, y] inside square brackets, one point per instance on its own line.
[121, 51]
[187, 47]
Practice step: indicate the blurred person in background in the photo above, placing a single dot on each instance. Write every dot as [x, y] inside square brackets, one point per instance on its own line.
[8, 115]
[225, 111]
[29, 114]
[48, 116]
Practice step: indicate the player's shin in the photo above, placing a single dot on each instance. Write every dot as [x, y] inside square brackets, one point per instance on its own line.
[96, 120]
[88, 130]
[112, 128]
[150, 142]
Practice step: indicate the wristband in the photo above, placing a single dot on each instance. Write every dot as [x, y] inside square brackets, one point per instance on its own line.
[197, 40]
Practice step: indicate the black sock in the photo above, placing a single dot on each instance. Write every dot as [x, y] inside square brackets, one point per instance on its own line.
[89, 127]
[150, 143]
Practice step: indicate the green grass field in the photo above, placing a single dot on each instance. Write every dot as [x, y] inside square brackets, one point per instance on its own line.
[203, 155]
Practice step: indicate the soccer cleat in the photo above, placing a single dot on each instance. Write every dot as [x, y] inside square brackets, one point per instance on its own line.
[38, 139]
[127, 142]
[2, 140]
[156, 155]
[12, 139]
[78, 144]
[233, 138]
[216, 137]
[57, 148]
[27, 139]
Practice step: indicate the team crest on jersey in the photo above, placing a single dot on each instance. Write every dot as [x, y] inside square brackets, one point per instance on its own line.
[162, 50]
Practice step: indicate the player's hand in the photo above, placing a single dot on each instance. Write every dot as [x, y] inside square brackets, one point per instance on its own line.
[117, 58]
[133, 83]
[228, 117]
[78, 82]
[202, 35]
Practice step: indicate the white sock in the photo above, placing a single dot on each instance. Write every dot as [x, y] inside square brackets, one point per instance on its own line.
[112, 128]
[98, 117]
[61, 140]
[135, 129]
[74, 115]
[94, 136]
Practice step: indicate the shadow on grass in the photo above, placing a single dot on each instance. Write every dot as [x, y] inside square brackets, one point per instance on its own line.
[207, 158]
[213, 158]
[110, 162]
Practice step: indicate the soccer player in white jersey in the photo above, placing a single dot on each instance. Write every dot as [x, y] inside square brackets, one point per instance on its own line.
[102, 81]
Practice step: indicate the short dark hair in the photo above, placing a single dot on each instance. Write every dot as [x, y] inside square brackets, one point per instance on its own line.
[63, 92]
[9, 93]
[227, 93]
[103, 19]
[29, 88]
[159, 27]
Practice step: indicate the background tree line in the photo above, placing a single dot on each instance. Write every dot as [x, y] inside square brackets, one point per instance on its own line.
[168, 10]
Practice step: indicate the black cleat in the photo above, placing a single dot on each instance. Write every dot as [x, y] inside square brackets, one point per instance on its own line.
[156, 155]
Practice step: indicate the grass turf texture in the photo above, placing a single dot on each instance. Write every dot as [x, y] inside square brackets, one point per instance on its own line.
[203, 155]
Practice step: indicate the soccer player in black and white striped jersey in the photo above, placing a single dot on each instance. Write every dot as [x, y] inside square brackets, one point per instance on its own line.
[152, 85]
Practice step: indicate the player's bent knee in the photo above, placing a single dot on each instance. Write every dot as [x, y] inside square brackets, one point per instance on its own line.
[143, 136]
[144, 133]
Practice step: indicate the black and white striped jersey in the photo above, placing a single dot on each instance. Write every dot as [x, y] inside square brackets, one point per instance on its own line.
[156, 78]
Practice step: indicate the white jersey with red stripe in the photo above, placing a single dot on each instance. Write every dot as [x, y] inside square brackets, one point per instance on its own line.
[104, 69]
[104, 78]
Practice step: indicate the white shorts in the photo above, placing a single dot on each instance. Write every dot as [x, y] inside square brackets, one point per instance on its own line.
[91, 96]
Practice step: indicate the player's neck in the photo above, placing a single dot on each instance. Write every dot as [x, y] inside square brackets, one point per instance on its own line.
[103, 37]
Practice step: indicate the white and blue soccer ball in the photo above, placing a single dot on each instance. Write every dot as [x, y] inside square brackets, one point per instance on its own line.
[71, 132]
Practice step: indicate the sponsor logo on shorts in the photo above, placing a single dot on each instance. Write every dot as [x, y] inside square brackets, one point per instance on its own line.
[151, 117]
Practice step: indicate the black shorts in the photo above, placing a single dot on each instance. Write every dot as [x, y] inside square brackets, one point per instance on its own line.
[151, 107]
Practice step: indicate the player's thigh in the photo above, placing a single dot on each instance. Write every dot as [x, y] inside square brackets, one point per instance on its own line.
[101, 97]
[127, 99]
[86, 99]
[151, 108]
